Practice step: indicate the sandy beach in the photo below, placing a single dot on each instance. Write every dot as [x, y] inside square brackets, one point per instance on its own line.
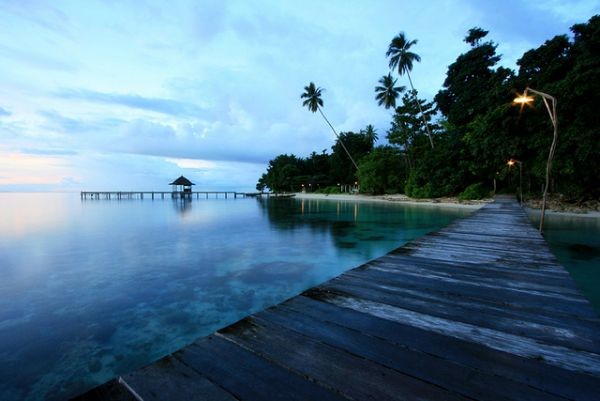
[441, 202]
[398, 198]
[590, 214]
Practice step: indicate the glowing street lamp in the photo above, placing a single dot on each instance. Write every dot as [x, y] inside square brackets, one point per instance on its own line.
[550, 103]
[511, 163]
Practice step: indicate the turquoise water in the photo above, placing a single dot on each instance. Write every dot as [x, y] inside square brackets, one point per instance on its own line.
[93, 289]
[575, 241]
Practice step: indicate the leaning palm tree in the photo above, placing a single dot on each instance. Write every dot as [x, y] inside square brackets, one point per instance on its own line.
[402, 58]
[387, 93]
[312, 96]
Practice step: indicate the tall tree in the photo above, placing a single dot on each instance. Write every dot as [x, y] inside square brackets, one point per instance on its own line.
[370, 134]
[387, 92]
[407, 129]
[358, 145]
[473, 84]
[382, 171]
[312, 96]
[475, 35]
[402, 58]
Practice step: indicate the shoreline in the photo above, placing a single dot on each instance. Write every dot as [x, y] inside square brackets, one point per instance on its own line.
[590, 214]
[398, 198]
[441, 202]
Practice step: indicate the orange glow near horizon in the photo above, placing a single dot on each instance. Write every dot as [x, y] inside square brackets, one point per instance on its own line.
[19, 168]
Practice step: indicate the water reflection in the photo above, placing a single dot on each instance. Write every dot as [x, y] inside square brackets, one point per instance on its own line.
[183, 206]
[21, 214]
[113, 285]
[575, 241]
[365, 229]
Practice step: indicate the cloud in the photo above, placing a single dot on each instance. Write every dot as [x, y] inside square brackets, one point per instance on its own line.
[69, 125]
[48, 152]
[37, 59]
[159, 105]
[192, 164]
[154, 88]
[38, 13]
[209, 19]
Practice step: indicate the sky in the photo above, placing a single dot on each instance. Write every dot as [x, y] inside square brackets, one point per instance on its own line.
[129, 95]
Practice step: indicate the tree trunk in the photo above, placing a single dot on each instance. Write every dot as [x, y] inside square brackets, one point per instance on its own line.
[338, 137]
[421, 110]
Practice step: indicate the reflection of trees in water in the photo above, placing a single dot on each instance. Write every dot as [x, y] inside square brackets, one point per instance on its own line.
[339, 219]
[353, 225]
[183, 205]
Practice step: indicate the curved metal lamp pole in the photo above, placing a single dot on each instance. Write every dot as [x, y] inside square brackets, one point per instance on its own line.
[550, 102]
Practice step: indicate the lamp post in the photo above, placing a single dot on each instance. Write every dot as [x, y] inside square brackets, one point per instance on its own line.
[511, 163]
[550, 103]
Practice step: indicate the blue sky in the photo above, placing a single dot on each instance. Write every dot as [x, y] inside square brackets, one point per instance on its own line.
[126, 95]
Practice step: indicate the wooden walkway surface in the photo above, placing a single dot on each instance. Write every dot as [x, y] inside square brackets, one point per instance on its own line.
[478, 310]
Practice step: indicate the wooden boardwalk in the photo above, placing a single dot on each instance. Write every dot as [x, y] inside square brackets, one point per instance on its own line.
[478, 310]
[118, 195]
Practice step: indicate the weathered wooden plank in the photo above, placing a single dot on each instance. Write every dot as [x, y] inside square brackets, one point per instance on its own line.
[509, 296]
[474, 313]
[532, 372]
[578, 361]
[490, 282]
[246, 375]
[447, 374]
[443, 251]
[111, 390]
[500, 295]
[169, 379]
[485, 242]
[573, 327]
[524, 278]
[329, 366]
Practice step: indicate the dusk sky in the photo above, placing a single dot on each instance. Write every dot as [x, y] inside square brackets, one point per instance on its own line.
[128, 95]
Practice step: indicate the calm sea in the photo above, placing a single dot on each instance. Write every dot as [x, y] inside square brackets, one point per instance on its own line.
[93, 289]
[575, 241]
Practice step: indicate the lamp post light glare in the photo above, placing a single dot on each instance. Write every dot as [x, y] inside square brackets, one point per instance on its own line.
[523, 99]
[550, 103]
[511, 163]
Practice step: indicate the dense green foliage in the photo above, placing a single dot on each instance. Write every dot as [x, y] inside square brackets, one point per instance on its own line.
[382, 171]
[291, 173]
[474, 191]
[474, 124]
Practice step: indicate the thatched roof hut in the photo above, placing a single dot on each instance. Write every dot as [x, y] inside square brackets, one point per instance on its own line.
[184, 183]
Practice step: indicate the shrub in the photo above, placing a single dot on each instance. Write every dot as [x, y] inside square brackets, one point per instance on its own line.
[475, 191]
[334, 189]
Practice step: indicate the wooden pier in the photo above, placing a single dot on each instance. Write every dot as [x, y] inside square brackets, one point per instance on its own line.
[85, 195]
[158, 194]
[478, 310]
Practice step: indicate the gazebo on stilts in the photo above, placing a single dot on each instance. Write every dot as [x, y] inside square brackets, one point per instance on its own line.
[182, 188]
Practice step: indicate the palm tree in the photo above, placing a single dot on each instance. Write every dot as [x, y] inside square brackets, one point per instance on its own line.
[370, 134]
[313, 101]
[387, 93]
[402, 58]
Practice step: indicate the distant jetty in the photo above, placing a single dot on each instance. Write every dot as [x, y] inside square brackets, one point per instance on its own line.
[181, 189]
[118, 195]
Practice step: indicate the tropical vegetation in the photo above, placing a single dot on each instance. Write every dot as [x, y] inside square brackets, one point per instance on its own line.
[459, 142]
